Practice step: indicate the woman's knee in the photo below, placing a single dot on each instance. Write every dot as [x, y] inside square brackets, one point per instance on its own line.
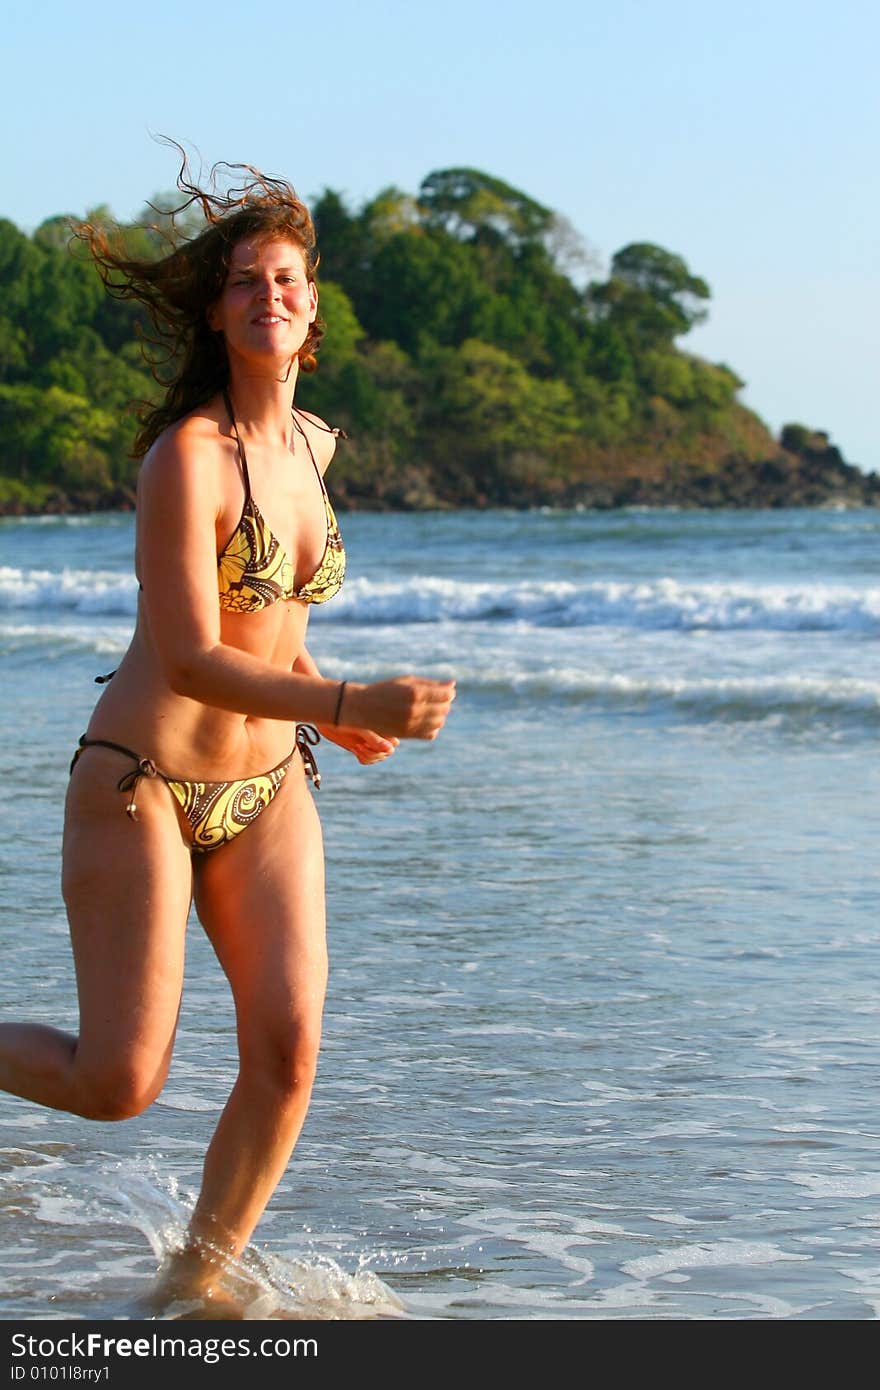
[120, 1088]
[283, 1059]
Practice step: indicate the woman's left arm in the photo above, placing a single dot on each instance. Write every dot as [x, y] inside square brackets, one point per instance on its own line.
[366, 746]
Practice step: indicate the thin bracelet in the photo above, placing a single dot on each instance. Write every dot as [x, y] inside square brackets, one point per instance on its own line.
[342, 685]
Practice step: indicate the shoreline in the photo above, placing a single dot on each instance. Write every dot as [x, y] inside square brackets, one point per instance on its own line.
[810, 473]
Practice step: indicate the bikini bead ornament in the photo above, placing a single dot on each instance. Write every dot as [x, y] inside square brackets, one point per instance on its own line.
[342, 685]
[145, 768]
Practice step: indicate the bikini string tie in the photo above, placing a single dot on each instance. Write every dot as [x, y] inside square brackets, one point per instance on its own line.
[145, 768]
[306, 737]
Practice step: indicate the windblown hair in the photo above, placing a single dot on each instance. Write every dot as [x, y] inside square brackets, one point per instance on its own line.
[185, 356]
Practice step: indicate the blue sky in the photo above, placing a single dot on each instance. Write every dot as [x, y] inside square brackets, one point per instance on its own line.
[745, 138]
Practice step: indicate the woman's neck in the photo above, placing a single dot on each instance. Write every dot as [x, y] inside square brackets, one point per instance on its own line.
[263, 402]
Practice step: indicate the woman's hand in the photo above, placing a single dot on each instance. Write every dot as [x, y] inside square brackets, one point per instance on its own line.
[404, 707]
[367, 746]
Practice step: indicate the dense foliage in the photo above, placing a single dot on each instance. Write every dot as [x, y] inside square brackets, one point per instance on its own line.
[468, 354]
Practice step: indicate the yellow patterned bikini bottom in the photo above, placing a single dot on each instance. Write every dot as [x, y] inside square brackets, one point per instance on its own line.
[216, 811]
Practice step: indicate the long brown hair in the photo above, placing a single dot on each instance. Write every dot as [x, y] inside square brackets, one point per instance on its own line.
[186, 357]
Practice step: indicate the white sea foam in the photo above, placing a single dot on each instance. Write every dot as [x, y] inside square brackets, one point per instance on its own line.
[715, 1254]
[80, 591]
[838, 1185]
[186, 1100]
[58, 636]
[758, 692]
[657, 604]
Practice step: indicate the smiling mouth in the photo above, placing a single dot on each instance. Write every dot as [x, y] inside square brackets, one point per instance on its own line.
[270, 318]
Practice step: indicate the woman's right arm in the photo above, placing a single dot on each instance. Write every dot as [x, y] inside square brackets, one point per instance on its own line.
[179, 502]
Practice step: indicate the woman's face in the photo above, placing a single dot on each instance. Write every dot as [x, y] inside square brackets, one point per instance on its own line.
[267, 304]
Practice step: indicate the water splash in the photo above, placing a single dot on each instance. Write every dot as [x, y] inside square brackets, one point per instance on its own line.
[137, 1196]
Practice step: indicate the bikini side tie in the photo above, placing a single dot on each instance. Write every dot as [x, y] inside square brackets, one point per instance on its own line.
[306, 735]
[145, 768]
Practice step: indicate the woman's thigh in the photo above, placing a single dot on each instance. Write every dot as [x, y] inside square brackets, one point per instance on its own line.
[127, 887]
[260, 899]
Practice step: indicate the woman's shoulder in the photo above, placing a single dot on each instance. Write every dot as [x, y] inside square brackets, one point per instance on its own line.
[193, 442]
[321, 436]
[189, 461]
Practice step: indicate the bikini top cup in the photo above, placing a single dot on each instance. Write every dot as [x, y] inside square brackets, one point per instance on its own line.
[253, 569]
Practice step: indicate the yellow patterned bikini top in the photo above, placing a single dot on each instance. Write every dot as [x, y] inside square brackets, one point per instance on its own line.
[253, 569]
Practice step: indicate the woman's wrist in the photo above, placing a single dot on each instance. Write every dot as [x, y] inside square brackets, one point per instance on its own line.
[340, 698]
[338, 703]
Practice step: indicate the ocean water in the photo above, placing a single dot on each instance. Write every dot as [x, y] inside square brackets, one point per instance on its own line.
[602, 1034]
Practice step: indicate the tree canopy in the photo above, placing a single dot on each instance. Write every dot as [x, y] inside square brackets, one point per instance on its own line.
[466, 355]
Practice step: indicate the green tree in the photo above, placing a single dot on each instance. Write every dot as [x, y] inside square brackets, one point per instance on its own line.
[651, 297]
[421, 285]
[50, 435]
[470, 205]
[487, 415]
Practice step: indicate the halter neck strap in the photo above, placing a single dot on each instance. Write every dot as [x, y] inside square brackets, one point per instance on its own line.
[241, 453]
[297, 424]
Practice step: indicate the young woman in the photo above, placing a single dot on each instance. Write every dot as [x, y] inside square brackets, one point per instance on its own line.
[191, 782]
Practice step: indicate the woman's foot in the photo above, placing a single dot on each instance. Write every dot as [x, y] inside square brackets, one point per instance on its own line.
[192, 1280]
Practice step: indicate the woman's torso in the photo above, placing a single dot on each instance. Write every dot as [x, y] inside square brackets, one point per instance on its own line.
[138, 707]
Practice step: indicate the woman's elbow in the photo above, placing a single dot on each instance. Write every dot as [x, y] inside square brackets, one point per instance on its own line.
[186, 675]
